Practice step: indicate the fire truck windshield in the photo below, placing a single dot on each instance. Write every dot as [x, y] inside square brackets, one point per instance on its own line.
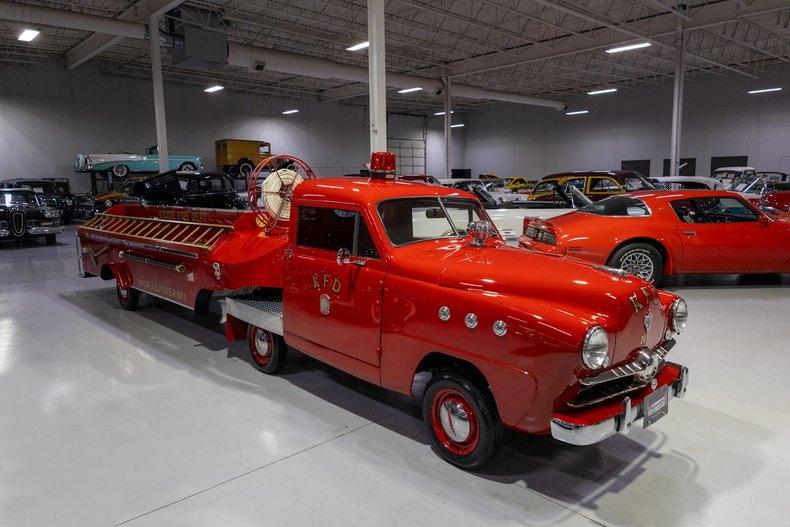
[409, 220]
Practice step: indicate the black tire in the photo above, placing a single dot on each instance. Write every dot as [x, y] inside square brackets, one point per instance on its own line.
[271, 360]
[128, 298]
[118, 172]
[484, 435]
[188, 167]
[245, 168]
[634, 259]
[50, 239]
[202, 302]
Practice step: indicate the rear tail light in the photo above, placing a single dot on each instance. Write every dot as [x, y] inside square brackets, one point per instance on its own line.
[540, 231]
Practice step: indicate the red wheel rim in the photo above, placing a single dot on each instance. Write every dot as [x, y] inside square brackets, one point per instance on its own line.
[261, 346]
[454, 422]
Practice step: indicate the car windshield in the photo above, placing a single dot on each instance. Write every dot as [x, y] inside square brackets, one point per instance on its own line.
[617, 206]
[749, 184]
[40, 187]
[632, 183]
[410, 220]
[19, 198]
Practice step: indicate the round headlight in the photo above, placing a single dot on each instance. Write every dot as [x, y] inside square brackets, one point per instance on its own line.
[108, 203]
[680, 315]
[595, 350]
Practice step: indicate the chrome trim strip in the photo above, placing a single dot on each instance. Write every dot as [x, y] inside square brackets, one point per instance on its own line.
[38, 231]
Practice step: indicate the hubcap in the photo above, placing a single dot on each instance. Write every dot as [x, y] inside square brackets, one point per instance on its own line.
[638, 264]
[455, 421]
[262, 343]
[124, 293]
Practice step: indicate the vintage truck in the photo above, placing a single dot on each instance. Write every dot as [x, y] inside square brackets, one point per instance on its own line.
[410, 287]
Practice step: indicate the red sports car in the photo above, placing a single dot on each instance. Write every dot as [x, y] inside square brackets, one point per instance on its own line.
[779, 200]
[655, 233]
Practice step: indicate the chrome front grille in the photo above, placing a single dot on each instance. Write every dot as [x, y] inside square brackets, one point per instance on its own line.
[17, 222]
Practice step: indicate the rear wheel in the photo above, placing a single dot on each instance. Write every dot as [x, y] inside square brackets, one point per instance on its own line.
[245, 169]
[119, 171]
[639, 259]
[268, 350]
[128, 298]
[462, 421]
[188, 167]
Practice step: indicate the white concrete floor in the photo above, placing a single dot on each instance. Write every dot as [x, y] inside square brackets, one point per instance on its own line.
[150, 418]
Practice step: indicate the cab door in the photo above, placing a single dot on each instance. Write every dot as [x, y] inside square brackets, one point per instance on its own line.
[333, 303]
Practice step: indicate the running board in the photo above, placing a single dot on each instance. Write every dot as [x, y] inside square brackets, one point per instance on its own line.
[265, 314]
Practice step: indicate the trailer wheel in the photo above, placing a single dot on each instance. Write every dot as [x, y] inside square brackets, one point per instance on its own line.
[128, 298]
[462, 421]
[268, 350]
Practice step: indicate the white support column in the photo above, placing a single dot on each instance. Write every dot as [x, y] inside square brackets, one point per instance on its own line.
[377, 77]
[159, 92]
[448, 119]
[677, 101]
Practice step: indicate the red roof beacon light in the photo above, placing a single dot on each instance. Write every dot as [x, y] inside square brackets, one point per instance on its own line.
[382, 165]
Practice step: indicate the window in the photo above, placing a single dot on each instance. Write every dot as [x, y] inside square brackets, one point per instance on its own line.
[217, 183]
[713, 210]
[617, 206]
[637, 183]
[604, 184]
[264, 149]
[417, 219]
[334, 229]
[18, 198]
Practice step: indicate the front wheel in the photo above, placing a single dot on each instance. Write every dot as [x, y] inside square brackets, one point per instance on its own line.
[128, 298]
[639, 259]
[268, 350]
[462, 421]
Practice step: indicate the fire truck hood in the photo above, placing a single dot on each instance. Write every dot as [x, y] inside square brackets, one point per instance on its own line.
[526, 276]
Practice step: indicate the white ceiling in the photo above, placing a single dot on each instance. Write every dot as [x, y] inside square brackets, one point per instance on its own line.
[542, 48]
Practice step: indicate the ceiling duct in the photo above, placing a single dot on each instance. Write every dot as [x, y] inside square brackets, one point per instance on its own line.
[199, 46]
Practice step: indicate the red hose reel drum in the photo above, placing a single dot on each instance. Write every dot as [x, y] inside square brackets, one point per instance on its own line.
[276, 190]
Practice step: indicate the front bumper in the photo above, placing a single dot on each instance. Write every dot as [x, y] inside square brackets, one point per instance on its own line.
[595, 424]
[42, 231]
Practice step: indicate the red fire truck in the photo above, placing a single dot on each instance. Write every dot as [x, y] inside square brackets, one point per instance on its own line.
[410, 287]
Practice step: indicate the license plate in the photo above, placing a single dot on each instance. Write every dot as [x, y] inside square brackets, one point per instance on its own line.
[656, 406]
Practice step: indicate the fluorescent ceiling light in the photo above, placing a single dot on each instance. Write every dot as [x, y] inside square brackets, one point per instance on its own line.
[289, 112]
[457, 126]
[27, 35]
[215, 88]
[765, 90]
[442, 113]
[357, 47]
[598, 92]
[629, 47]
[409, 90]
[577, 112]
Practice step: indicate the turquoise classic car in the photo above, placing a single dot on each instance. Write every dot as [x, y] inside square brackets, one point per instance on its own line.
[118, 166]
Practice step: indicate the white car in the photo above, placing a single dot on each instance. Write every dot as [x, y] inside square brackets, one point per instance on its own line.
[727, 174]
[689, 183]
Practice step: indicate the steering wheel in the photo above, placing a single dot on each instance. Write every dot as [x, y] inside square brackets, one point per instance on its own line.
[276, 190]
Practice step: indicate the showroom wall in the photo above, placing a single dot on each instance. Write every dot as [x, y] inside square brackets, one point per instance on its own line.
[48, 114]
[720, 119]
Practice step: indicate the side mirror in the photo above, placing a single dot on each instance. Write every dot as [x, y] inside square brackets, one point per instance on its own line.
[480, 231]
[343, 256]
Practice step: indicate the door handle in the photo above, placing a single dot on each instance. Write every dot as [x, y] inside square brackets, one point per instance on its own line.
[689, 233]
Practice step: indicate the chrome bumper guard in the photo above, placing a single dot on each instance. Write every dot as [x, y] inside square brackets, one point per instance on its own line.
[582, 435]
[40, 231]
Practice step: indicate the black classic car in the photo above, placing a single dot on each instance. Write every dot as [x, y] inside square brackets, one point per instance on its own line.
[23, 215]
[48, 191]
[213, 190]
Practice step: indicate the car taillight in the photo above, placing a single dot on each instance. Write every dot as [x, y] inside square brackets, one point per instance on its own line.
[541, 232]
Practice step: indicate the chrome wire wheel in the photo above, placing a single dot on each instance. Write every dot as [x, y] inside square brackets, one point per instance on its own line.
[639, 264]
